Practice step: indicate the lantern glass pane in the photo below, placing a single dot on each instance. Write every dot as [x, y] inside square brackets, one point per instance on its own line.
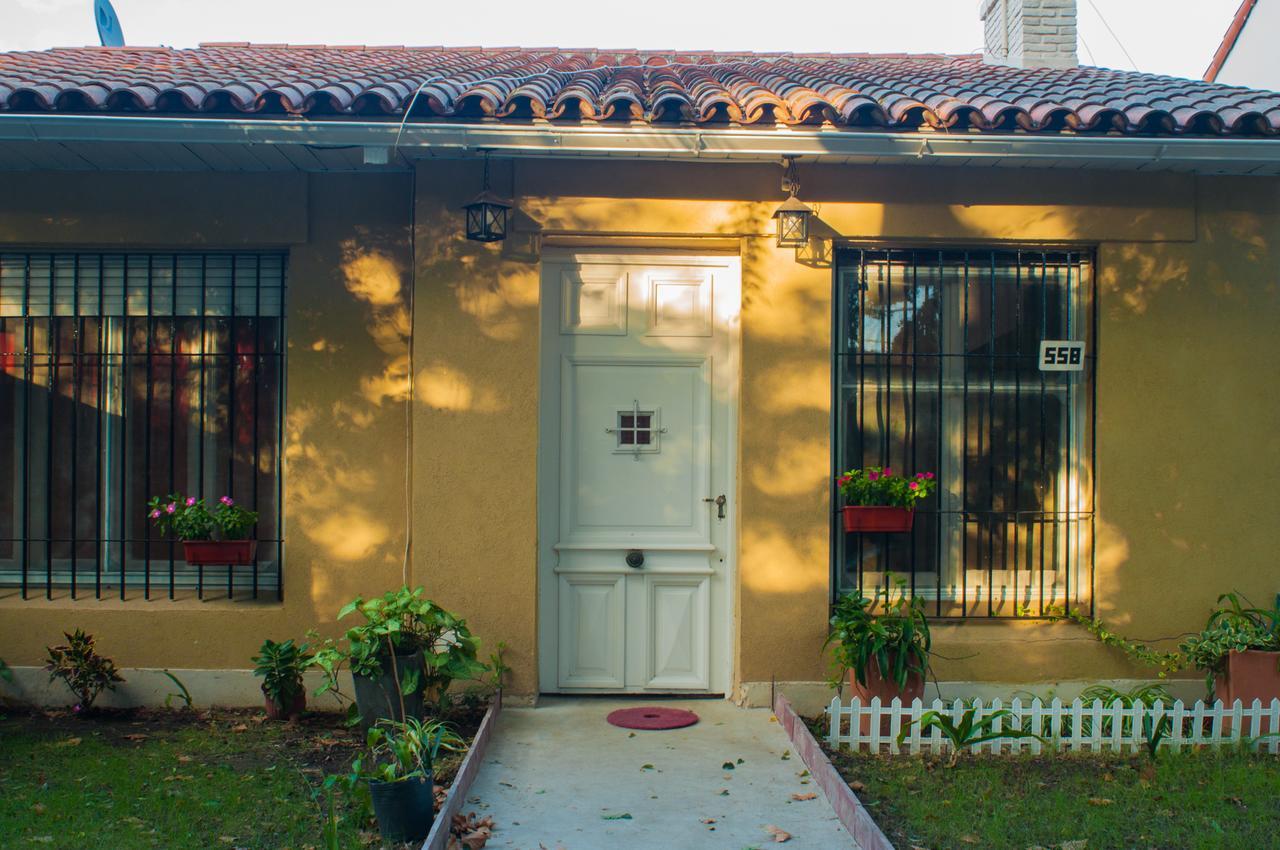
[793, 229]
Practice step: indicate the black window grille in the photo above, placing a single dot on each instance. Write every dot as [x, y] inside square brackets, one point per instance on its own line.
[124, 376]
[937, 369]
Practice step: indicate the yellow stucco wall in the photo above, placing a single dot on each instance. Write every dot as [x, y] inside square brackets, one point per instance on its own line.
[1188, 300]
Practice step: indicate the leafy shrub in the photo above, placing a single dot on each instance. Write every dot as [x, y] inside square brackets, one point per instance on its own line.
[876, 486]
[396, 751]
[281, 666]
[897, 638]
[401, 622]
[86, 672]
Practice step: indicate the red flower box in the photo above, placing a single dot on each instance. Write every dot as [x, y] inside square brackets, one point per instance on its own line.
[878, 518]
[220, 552]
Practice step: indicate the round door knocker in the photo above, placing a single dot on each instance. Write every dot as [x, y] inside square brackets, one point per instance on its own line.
[635, 559]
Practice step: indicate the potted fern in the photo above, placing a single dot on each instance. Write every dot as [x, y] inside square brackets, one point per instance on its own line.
[879, 500]
[218, 535]
[281, 666]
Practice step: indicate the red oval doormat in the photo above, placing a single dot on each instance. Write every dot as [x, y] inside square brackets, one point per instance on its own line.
[652, 717]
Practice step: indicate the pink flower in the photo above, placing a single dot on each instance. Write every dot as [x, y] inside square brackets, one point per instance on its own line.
[914, 486]
[872, 475]
[191, 500]
[171, 508]
[227, 500]
[928, 475]
[155, 514]
[887, 472]
[919, 475]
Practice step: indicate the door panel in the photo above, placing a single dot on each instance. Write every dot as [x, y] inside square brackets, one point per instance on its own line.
[677, 632]
[592, 617]
[639, 388]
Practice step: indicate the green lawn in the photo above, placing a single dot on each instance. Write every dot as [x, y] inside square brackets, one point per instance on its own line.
[169, 780]
[1210, 799]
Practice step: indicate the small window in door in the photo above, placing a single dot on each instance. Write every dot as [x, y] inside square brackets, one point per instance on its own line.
[636, 430]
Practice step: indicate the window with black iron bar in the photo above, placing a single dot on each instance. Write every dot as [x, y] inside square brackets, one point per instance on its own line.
[129, 375]
[938, 368]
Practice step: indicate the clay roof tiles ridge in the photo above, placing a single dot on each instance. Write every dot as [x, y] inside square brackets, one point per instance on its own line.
[887, 91]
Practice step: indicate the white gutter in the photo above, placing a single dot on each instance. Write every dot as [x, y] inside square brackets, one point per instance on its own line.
[447, 140]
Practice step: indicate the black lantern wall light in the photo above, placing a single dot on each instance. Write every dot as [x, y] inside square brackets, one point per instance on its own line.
[487, 213]
[793, 215]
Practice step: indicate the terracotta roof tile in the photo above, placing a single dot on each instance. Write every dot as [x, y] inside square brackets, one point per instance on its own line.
[889, 91]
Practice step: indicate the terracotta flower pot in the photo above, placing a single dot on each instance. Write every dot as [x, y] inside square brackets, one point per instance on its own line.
[878, 518]
[1253, 674]
[296, 706]
[885, 688]
[219, 552]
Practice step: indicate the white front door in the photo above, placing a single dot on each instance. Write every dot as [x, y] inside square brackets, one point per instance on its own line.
[636, 503]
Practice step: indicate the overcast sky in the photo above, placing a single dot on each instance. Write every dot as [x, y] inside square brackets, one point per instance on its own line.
[1164, 36]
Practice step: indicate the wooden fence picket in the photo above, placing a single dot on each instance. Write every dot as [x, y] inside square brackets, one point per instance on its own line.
[875, 727]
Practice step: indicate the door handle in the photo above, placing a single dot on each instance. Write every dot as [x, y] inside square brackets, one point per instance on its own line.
[719, 502]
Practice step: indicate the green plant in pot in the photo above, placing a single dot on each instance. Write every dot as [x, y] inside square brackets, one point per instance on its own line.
[396, 765]
[1239, 651]
[404, 656]
[883, 648]
[281, 666]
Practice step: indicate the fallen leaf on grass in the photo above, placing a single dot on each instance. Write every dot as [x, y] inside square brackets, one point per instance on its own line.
[970, 839]
[178, 777]
[1078, 844]
[857, 787]
[138, 736]
[619, 816]
[184, 759]
[240, 727]
[779, 835]
[800, 798]
[1101, 801]
[68, 742]
[42, 839]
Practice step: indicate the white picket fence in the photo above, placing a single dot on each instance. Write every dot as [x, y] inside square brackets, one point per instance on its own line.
[1074, 726]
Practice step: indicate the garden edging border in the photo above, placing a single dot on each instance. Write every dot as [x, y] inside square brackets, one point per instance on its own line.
[438, 838]
[852, 814]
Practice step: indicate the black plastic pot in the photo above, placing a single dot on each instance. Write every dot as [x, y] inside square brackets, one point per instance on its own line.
[379, 699]
[405, 809]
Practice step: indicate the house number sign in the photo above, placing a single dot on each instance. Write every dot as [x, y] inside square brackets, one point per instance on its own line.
[1061, 355]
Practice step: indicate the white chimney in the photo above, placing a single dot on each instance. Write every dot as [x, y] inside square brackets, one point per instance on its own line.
[1029, 33]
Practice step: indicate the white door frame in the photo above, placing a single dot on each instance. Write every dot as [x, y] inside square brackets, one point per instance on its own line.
[726, 314]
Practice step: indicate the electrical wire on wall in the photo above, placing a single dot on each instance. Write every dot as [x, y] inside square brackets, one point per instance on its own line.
[408, 402]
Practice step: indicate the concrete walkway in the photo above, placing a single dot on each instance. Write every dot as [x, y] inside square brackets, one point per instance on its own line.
[558, 777]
